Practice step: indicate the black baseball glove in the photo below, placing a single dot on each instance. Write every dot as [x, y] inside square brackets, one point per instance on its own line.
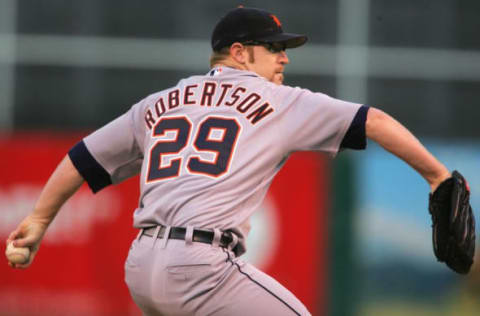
[453, 223]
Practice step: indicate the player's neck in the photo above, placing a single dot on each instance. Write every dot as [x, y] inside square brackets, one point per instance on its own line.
[230, 63]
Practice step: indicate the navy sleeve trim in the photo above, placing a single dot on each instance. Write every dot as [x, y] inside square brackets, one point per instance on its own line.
[92, 172]
[356, 137]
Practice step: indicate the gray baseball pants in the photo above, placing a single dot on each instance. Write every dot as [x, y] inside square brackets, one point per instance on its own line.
[181, 277]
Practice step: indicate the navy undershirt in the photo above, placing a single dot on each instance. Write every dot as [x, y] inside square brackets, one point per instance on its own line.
[356, 138]
[91, 171]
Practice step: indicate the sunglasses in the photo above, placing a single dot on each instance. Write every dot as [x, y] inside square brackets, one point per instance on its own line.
[271, 47]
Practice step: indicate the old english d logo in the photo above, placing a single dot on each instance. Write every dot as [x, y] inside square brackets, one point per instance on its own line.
[276, 20]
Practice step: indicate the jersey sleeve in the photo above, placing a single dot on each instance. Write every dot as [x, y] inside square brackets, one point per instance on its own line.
[112, 153]
[315, 121]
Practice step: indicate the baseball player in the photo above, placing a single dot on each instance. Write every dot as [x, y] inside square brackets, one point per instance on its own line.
[206, 151]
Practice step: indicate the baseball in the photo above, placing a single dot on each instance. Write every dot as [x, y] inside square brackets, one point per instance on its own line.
[17, 255]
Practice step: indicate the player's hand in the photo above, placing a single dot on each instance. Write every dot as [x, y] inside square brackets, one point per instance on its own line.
[453, 229]
[29, 233]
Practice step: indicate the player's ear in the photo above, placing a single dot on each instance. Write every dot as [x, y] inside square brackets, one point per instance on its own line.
[239, 53]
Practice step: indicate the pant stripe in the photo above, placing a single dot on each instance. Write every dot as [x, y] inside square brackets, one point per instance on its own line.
[259, 284]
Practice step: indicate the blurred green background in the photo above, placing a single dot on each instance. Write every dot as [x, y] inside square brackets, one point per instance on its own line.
[75, 65]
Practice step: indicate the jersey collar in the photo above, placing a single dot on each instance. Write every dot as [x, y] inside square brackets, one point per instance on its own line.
[224, 70]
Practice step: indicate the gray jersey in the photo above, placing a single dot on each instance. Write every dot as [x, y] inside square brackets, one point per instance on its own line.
[208, 148]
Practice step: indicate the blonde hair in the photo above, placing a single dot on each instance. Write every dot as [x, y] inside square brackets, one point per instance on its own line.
[219, 56]
[222, 55]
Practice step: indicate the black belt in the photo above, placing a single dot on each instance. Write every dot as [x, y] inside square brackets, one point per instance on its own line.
[203, 236]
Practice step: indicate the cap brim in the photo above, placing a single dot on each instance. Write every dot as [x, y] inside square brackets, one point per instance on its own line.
[290, 40]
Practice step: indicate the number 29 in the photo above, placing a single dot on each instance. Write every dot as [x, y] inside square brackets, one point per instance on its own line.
[222, 147]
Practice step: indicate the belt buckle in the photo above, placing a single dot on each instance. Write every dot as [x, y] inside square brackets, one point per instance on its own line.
[226, 239]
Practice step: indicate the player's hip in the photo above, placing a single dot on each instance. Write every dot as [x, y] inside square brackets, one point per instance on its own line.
[179, 278]
[169, 274]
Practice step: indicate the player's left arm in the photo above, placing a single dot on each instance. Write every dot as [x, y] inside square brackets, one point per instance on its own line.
[397, 139]
[453, 229]
[62, 184]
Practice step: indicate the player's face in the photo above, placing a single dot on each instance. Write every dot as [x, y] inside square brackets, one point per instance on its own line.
[268, 62]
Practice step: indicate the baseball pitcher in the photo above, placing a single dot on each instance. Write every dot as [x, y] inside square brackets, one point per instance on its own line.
[207, 150]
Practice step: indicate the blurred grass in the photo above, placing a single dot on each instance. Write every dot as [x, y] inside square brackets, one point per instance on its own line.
[462, 300]
[465, 304]
[401, 308]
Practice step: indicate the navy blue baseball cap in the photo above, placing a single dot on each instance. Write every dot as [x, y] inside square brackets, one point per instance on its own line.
[252, 25]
